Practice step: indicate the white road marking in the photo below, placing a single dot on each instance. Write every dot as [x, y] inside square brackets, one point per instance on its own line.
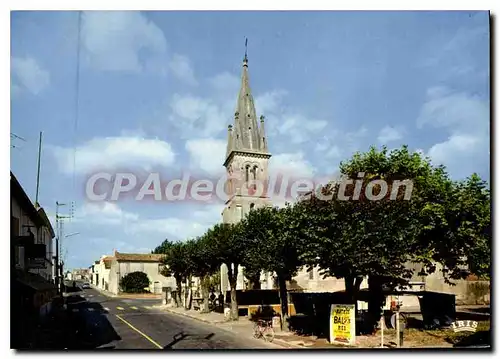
[134, 308]
[106, 309]
[147, 307]
[119, 308]
[91, 295]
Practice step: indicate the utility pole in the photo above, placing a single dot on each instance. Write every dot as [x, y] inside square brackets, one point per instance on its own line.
[38, 171]
[59, 236]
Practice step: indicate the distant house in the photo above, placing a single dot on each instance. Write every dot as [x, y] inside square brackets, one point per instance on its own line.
[124, 263]
[80, 274]
[100, 273]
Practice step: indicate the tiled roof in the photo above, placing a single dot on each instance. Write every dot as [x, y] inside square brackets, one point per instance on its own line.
[138, 257]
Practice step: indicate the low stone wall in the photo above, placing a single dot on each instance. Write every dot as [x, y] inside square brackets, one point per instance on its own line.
[467, 292]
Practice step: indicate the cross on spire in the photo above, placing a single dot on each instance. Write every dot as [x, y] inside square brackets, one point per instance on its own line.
[245, 60]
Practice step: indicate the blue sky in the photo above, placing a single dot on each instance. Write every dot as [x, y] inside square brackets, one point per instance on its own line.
[158, 89]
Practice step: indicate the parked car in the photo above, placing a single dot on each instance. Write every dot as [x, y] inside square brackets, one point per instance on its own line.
[86, 285]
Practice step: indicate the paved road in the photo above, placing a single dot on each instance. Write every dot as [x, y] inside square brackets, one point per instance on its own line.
[116, 323]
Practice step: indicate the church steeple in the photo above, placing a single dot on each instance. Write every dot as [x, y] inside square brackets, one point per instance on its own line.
[246, 128]
[246, 163]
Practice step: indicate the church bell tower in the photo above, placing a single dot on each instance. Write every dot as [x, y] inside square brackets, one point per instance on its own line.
[246, 164]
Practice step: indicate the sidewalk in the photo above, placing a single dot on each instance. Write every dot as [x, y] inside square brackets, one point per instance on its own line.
[245, 327]
[103, 292]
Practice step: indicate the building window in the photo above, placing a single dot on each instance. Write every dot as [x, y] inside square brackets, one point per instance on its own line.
[252, 205]
[247, 170]
[311, 275]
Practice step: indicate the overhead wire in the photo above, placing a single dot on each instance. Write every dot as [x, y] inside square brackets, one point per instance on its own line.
[77, 100]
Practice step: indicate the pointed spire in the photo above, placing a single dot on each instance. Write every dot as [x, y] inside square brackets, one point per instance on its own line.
[246, 134]
[246, 128]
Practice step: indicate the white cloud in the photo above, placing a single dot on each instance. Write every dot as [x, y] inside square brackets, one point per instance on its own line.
[181, 67]
[283, 122]
[455, 144]
[225, 83]
[270, 102]
[104, 213]
[458, 112]
[196, 219]
[292, 164]
[333, 152]
[180, 228]
[297, 128]
[113, 152]
[389, 134]
[196, 116]
[28, 74]
[117, 40]
[207, 154]
[466, 119]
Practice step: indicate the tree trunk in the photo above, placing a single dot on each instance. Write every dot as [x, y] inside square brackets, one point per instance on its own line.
[205, 293]
[178, 301]
[352, 285]
[256, 285]
[233, 275]
[376, 302]
[187, 294]
[284, 303]
[254, 282]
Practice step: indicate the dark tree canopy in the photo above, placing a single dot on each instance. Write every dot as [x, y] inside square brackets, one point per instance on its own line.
[135, 282]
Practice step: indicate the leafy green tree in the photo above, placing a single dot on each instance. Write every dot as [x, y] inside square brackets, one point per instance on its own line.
[273, 243]
[176, 265]
[203, 262]
[163, 247]
[359, 237]
[135, 282]
[229, 243]
[463, 228]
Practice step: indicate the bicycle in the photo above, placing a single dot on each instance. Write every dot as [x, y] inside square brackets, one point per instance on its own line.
[403, 318]
[263, 328]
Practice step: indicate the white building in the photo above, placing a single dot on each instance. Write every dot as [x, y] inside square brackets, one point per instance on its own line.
[123, 263]
[100, 273]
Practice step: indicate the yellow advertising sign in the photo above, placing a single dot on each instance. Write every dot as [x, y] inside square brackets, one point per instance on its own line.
[342, 324]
